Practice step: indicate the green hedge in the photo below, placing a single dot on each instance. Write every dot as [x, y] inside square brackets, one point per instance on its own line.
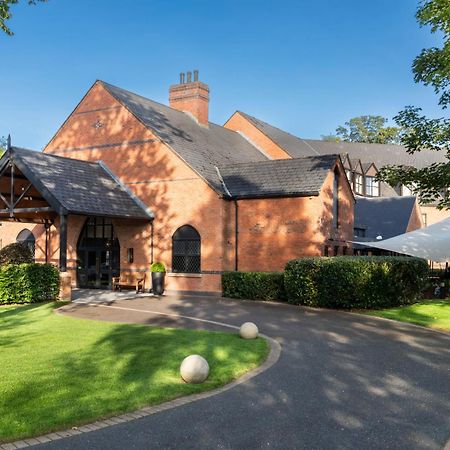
[28, 283]
[253, 285]
[355, 282]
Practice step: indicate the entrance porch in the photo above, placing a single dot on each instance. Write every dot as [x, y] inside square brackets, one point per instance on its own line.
[79, 213]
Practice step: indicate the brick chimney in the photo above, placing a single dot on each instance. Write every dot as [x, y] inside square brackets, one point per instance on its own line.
[191, 96]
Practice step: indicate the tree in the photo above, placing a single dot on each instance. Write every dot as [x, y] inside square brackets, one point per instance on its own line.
[370, 129]
[2, 144]
[5, 13]
[432, 68]
[330, 138]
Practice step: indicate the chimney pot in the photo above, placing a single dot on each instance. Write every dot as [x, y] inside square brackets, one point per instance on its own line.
[190, 97]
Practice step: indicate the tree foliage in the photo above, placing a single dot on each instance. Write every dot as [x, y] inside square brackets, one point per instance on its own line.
[5, 13]
[370, 129]
[432, 68]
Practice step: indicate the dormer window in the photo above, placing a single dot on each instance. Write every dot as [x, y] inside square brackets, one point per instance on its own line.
[372, 187]
[359, 184]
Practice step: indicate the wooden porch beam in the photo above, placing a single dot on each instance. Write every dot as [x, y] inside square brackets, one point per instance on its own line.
[22, 195]
[27, 210]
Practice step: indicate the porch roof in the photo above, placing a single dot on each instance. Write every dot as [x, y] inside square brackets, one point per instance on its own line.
[71, 186]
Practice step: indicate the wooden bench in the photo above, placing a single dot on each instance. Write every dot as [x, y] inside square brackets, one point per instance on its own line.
[127, 280]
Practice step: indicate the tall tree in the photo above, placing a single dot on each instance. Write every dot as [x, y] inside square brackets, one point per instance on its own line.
[370, 129]
[432, 68]
[5, 13]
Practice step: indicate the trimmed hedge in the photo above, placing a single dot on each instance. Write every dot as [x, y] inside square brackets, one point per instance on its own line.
[355, 282]
[28, 283]
[254, 285]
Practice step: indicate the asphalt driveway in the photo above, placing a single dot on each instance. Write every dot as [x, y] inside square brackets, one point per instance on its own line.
[343, 381]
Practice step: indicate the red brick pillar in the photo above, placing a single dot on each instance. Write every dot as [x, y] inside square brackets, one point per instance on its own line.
[65, 287]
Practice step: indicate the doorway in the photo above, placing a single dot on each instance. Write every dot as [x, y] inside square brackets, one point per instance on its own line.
[98, 254]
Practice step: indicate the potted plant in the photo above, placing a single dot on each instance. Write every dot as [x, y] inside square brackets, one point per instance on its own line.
[158, 276]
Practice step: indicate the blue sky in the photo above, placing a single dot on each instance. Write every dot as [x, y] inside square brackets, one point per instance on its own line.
[305, 66]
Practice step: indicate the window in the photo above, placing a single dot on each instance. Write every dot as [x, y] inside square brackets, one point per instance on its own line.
[25, 237]
[359, 232]
[336, 199]
[325, 250]
[372, 187]
[186, 246]
[349, 175]
[358, 183]
[130, 255]
[98, 228]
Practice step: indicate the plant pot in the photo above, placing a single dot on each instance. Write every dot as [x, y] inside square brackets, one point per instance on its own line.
[158, 279]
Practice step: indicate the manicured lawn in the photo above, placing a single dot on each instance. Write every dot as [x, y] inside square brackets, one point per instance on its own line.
[57, 372]
[429, 313]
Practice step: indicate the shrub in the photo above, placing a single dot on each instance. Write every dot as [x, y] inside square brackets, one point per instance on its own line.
[253, 285]
[355, 282]
[28, 283]
[157, 267]
[15, 254]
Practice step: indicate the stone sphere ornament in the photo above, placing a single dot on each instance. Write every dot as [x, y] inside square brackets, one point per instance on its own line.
[248, 330]
[194, 369]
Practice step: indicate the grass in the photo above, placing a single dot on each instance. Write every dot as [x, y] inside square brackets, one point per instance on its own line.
[429, 313]
[57, 372]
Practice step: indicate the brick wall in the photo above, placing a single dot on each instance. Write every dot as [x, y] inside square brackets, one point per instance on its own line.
[238, 122]
[274, 231]
[101, 129]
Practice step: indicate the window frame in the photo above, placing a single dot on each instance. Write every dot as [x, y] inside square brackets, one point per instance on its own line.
[188, 257]
[372, 187]
[359, 186]
[29, 241]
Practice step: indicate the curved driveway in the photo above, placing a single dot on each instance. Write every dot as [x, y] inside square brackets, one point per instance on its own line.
[343, 381]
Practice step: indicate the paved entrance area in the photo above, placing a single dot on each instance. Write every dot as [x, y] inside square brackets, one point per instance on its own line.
[103, 295]
[343, 381]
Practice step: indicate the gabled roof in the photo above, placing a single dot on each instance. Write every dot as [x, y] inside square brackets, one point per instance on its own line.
[383, 216]
[278, 178]
[288, 142]
[72, 186]
[367, 165]
[202, 148]
[380, 154]
[357, 165]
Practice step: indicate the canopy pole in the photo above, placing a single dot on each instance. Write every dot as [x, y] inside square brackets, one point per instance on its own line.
[63, 243]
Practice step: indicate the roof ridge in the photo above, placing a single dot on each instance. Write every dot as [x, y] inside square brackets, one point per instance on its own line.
[154, 101]
[21, 149]
[282, 161]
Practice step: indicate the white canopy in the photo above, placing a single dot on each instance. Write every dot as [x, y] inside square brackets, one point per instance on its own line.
[432, 242]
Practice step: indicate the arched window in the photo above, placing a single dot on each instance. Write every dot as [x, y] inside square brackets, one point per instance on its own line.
[26, 237]
[186, 245]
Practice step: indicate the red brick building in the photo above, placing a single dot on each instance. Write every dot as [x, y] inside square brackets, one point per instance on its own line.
[133, 181]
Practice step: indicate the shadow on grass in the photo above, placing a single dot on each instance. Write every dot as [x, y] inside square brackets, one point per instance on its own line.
[108, 368]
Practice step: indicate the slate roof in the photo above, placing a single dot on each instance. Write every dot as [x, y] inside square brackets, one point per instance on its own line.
[383, 216]
[380, 154]
[278, 178]
[78, 187]
[202, 148]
